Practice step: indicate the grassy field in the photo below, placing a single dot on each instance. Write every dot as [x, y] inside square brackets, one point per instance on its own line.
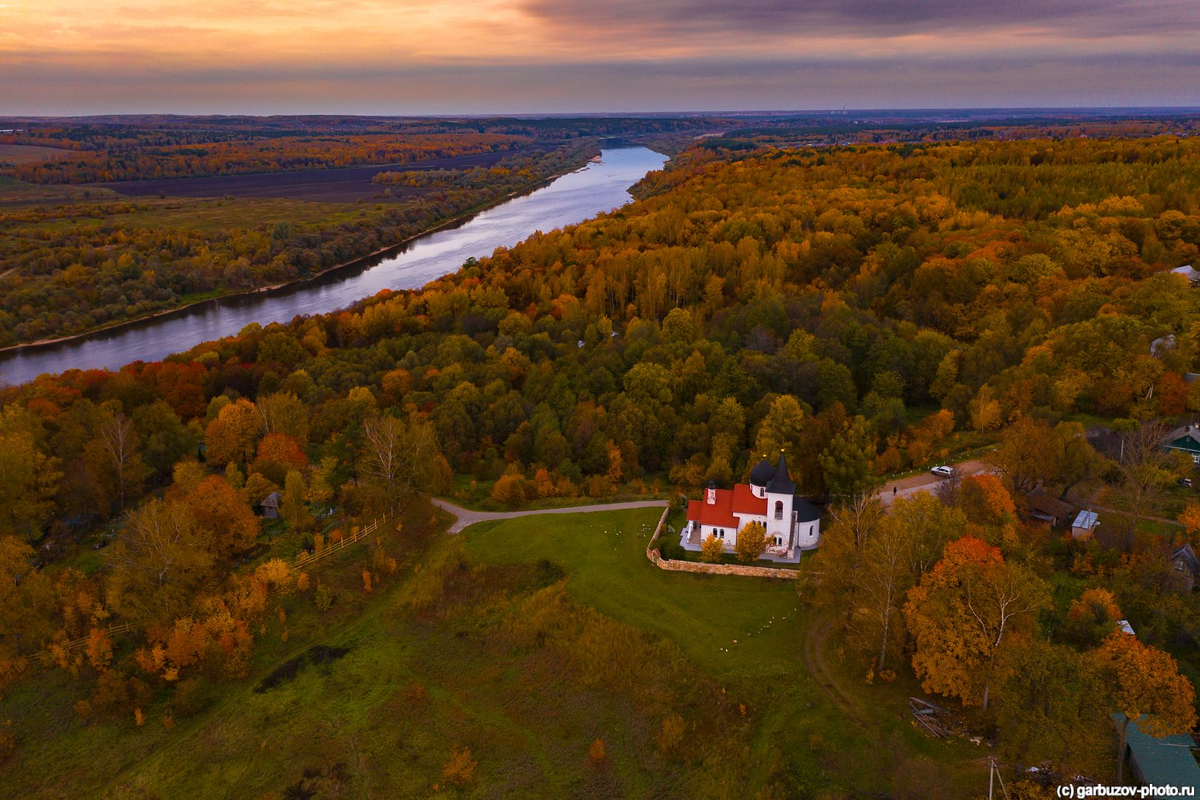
[524, 641]
[30, 153]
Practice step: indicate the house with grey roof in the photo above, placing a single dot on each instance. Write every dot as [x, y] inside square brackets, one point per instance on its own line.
[1186, 271]
[1085, 524]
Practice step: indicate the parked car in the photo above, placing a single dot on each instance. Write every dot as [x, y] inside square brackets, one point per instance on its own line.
[943, 471]
[1185, 482]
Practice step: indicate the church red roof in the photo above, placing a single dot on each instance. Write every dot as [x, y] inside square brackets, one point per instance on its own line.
[728, 506]
[744, 501]
[718, 514]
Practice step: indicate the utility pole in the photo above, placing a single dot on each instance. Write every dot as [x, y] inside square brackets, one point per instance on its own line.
[993, 776]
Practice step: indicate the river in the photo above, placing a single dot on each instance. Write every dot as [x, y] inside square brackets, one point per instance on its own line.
[599, 187]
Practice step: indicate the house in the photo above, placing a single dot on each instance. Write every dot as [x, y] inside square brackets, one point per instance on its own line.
[270, 505]
[1186, 271]
[1162, 345]
[1184, 440]
[1184, 568]
[792, 523]
[1084, 526]
[1159, 760]
[1124, 627]
[1048, 509]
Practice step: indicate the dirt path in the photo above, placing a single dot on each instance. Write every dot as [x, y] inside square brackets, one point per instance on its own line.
[926, 482]
[468, 517]
[814, 659]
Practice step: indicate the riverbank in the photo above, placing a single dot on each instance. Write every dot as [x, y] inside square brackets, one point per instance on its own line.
[358, 261]
[503, 218]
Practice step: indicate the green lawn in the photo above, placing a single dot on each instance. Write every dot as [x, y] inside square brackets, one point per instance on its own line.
[604, 555]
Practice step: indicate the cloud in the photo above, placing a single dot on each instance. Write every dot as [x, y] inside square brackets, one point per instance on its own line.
[871, 18]
[650, 85]
[437, 56]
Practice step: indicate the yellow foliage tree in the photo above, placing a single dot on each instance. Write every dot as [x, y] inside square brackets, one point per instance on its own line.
[711, 549]
[751, 542]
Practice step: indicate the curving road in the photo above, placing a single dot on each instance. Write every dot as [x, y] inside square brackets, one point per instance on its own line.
[468, 517]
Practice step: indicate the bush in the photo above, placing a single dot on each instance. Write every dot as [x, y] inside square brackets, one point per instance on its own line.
[671, 550]
[323, 597]
[459, 769]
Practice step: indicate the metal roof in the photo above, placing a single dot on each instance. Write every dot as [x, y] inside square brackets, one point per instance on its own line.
[1086, 519]
[1162, 760]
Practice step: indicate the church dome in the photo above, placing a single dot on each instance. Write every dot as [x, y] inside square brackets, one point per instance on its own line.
[762, 473]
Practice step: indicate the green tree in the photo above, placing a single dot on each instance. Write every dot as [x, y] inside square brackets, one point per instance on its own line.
[781, 428]
[846, 462]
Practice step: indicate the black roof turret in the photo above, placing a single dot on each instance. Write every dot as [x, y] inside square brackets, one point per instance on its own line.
[762, 473]
[781, 482]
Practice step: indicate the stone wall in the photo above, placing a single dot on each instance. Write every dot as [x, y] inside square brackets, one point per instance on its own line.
[711, 569]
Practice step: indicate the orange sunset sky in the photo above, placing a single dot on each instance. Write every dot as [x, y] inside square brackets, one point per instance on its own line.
[399, 56]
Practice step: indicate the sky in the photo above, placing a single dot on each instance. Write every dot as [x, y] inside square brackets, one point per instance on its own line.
[562, 56]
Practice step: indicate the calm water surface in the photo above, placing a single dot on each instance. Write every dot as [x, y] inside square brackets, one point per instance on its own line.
[601, 186]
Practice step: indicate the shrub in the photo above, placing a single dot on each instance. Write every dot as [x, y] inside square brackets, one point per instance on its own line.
[671, 550]
[459, 769]
[671, 736]
[596, 753]
[711, 549]
[323, 597]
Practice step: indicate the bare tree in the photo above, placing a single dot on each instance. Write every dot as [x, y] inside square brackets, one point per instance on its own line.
[1146, 467]
[120, 442]
[399, 457]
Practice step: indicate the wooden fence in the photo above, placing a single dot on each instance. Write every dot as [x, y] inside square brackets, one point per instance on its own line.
[46, 656]
[307, 559]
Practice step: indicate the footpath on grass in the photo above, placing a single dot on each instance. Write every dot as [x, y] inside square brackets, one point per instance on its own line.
[466, 517]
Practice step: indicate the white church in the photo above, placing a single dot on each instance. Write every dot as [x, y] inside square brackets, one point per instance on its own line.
[792, 523]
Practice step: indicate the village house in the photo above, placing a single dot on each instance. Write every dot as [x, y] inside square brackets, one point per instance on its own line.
[1159, 760]
[1184, 440]
[1184, 568]
[270, 505]
[792, 523]
[1186, 271]
[1048, 509]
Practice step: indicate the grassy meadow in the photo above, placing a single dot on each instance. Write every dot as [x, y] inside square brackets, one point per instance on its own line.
[523, 641]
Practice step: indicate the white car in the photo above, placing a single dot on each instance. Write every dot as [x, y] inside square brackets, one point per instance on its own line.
[943, 471]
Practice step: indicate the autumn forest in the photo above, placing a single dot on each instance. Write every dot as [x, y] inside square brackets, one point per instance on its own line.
[175, 536]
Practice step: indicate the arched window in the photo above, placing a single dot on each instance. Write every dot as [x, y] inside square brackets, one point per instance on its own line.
[778, 509]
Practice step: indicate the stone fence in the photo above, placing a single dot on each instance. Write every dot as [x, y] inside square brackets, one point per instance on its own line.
[657, 560]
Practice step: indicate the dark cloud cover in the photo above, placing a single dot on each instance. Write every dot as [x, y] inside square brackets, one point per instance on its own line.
[872, 18]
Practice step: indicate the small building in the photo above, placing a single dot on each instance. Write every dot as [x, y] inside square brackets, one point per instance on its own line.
[1184, 568]
[1084, 526]
[792, 523]
[1159, 760]
[270, 505]
[1049, 509]
[1162, 345]
[1184, 440]
[1124, 627]
[1186, 271]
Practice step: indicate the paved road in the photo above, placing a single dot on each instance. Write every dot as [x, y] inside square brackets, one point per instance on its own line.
[468, 517]
[927, 482]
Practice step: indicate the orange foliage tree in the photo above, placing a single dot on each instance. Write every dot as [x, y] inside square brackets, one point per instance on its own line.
[1145, 681]
[961, 614]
